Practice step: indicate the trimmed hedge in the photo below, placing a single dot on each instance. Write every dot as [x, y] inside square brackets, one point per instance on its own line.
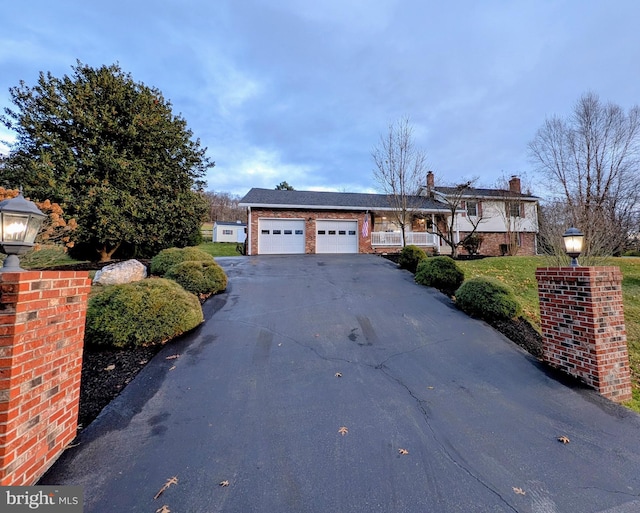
[488, 299]
[410, 257]
[167, 258]
[197, 277]
[142, 313]
[440, 272]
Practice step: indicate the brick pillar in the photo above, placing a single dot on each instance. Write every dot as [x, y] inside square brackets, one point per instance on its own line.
[583, 327]
[42, 316]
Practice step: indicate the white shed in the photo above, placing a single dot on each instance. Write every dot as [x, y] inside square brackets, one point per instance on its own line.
[226, 231]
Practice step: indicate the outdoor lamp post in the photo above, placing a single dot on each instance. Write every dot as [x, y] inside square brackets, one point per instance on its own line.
[20, 222]
[573, 239]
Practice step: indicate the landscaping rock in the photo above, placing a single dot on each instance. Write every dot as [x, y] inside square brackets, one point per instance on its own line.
[122, 272]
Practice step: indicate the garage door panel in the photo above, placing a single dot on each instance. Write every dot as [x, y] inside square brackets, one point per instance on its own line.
[337, 236]
[281, 236]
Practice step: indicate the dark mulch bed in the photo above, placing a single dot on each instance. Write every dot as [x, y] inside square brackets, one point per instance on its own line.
[105, 373]
[93, 266]
[522, 333]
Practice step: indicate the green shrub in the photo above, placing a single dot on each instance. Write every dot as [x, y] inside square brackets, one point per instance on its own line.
[142, 313]
[198, 277]
[472, 244]
[410, 257]
[440, 272]
[167, 258]
[488, 299]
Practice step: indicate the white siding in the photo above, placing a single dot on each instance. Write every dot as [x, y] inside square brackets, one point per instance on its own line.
[494, 218]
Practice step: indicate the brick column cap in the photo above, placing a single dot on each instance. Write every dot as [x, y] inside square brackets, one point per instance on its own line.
[577, 272]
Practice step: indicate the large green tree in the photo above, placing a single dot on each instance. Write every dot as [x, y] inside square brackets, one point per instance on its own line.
[110, 151]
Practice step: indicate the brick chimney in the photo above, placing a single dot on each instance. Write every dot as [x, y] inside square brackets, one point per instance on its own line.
[430, 183]
[514, 184]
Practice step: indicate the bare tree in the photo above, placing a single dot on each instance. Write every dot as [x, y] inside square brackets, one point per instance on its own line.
[590, 161]
[456, 199]
[400, 169]
[223, 206]
[512, 212]
[554, 218]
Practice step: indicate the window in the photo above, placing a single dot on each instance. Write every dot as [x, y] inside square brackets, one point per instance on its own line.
[321, 232]
[299, 232]
[277, 232]
[332, 232]
[265, 232]
[288, 232]
[472, 208]
[342, 232]
[352, 232]
[514, 208]
[227, 232]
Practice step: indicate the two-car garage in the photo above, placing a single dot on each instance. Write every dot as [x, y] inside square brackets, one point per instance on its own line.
[288, 236]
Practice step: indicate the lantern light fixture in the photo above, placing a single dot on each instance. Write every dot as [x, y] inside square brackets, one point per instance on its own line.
[20, 222]
[573, 240]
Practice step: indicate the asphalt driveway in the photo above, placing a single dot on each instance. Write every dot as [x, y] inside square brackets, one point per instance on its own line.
[337, 384]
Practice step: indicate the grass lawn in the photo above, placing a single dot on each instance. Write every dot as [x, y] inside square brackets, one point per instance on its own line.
[519, 274]
[219, 249]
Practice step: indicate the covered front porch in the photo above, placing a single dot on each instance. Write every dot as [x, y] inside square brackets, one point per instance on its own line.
[425, 239]
[387, 234]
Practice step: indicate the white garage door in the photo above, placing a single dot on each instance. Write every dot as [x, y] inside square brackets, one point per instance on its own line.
[336, 236]
[280, 236]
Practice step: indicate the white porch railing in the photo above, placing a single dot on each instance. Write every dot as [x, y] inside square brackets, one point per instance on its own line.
[395, 239]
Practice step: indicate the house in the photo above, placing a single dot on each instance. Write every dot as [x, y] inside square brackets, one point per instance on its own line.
[506, 220]
[224, 231]
[298, 222]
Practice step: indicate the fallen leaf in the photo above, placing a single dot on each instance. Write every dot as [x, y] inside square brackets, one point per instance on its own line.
[163, 509]
[519, 491]
[563, 439]
[224, 483]
[430, 388]
[338, 374]
[143, 362]
[172, 357]
[172, 367]
[343, 430]
[109, 367]
[171, 481]
[403, 451]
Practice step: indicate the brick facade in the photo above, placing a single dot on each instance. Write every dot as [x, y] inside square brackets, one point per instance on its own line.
[493, 243]
[583, 326]
[310, 217]
[42, 317]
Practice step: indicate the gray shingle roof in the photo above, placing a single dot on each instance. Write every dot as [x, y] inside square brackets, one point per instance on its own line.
[229, 223]
[328, 200]
[474, 192]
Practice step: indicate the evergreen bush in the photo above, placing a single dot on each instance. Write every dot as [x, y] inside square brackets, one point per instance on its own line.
[410, 257]
[487, 299]
[142, 313]
[167, 258]
[440, 272]
[198, 277]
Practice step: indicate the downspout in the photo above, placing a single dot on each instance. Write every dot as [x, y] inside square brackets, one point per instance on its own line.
[248, 230]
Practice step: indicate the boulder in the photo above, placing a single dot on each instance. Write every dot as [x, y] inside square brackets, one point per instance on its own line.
[122, 272]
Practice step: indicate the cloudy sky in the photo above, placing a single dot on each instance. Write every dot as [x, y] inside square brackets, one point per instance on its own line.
[302, 90]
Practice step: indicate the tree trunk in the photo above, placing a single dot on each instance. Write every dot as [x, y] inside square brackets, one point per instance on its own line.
[106, 254]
